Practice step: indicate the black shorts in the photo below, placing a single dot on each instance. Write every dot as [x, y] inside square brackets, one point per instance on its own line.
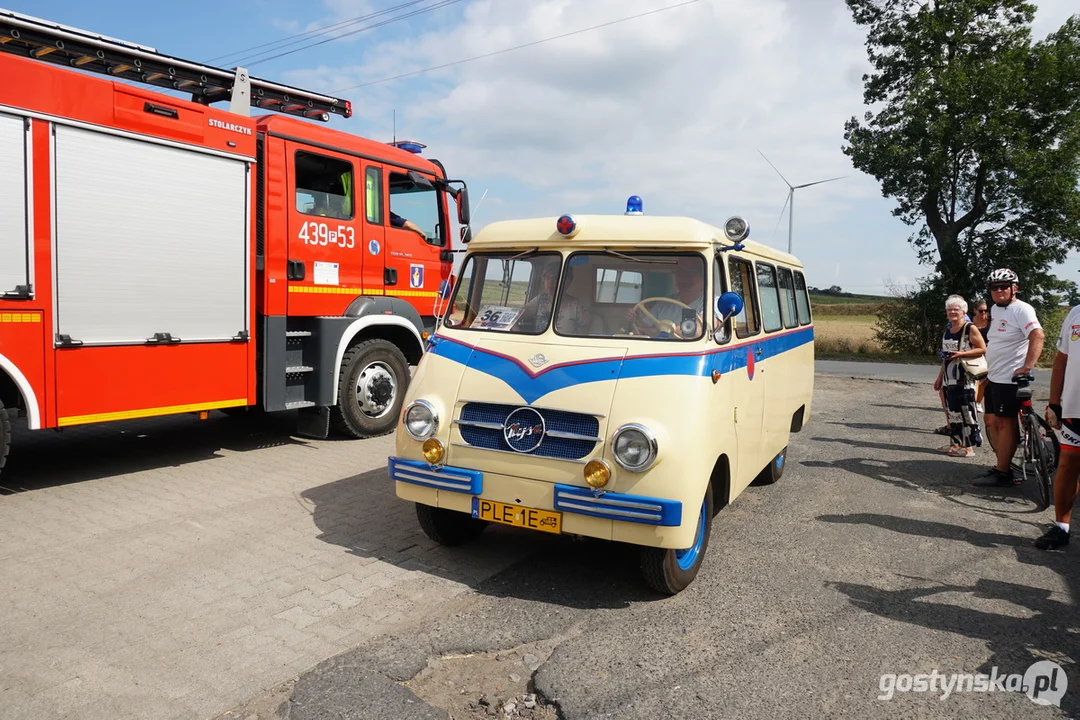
[1000, 399]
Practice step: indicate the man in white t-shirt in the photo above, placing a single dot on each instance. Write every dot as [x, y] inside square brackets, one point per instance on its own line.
[1014, 342]
[1063, 414]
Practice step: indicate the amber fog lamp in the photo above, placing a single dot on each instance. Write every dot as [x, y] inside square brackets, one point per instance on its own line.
[597, 474]
[433, 450]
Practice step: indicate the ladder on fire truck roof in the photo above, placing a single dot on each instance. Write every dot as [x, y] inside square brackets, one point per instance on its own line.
[44, 40]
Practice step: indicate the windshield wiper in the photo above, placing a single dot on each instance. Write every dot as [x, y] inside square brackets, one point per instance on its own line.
[609, 251]
[525, 254]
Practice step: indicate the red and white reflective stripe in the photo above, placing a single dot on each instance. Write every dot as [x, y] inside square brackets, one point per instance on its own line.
[1070, 434]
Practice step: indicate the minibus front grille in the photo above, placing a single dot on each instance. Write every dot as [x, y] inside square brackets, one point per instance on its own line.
[568, 435]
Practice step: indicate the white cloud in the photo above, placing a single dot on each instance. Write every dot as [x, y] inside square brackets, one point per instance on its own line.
[672, 107]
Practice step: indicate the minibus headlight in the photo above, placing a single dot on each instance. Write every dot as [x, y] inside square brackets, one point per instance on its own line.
[634, 447]
[421, 420]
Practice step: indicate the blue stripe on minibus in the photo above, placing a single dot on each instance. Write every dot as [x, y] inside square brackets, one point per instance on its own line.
[532, 386]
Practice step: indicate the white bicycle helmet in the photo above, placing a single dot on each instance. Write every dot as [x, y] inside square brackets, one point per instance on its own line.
[1003, 275]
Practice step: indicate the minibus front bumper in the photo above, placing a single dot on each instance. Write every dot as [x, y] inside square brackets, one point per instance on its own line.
[587, 512]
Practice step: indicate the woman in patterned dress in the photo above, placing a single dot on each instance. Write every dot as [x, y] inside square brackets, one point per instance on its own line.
[961, 339]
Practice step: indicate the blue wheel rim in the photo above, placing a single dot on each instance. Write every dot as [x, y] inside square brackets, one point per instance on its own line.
[687, 558]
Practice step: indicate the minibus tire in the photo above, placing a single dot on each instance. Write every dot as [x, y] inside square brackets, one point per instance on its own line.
[669, 571]
[347, 417]
[5, 436]
[448, 527]
[774, 470]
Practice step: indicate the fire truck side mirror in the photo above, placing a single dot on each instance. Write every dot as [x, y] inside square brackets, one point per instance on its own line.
[463, 212]
[466, 234]
[419, 180]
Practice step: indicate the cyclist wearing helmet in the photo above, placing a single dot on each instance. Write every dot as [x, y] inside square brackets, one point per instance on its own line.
[1063, 414]
[1014, 344]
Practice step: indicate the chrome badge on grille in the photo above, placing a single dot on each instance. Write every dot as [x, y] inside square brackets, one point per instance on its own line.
[524, 430]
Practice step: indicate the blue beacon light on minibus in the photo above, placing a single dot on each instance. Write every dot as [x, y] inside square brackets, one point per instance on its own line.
[633, 206]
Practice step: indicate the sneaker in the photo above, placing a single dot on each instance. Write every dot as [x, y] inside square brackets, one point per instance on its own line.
[995, 478]
[1054, 538]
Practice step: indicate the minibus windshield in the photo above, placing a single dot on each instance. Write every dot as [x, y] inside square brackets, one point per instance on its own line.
[506, 292]
[640, 295]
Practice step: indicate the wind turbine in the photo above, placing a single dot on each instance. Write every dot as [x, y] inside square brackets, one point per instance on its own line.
[791, 197]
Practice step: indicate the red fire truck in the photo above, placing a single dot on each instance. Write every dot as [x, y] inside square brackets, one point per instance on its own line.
[160, 255]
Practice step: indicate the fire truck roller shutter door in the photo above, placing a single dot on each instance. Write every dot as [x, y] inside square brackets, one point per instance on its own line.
[13, 215]
[171, 258]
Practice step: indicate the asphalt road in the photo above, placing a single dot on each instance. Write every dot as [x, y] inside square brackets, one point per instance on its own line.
[172, 568]
[872, 556]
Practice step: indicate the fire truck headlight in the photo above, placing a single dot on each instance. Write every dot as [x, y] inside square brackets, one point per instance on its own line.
[634, 447]
[421, 420]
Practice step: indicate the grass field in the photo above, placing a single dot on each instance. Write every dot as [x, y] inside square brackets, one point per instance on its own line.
[816, 299]
[845, 335]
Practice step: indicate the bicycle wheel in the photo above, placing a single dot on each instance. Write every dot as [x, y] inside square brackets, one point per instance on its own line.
[1037, 461]
[1027, 453]
[1037, 440]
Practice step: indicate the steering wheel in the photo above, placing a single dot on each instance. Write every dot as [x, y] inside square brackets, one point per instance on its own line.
[667, 326]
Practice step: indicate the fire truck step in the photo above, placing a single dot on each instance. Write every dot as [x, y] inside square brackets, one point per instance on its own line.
[297, 333]
[299, 404]
[298, 369]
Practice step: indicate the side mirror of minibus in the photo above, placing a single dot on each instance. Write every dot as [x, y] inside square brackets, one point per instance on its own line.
[727, 306]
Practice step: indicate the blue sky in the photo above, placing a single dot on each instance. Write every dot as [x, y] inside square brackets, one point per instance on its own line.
[673, 106]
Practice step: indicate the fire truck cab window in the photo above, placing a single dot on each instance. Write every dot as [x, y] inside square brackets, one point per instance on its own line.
[373, 195]
[419, 205]
[324, 186]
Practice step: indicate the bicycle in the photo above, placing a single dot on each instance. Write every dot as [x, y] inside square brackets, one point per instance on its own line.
[1039, 446]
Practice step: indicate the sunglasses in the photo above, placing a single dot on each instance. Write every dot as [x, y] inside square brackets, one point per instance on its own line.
[980, 312]
[995, 288]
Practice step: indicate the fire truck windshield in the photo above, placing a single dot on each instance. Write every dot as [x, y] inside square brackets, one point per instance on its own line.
[419, 205]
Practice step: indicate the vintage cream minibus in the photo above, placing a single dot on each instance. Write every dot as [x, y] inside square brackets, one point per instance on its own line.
[616, 377]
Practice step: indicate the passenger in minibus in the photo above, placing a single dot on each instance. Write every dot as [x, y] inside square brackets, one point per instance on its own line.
[574, 317]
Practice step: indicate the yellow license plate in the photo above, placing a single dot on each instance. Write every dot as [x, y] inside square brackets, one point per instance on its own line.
[516, 515]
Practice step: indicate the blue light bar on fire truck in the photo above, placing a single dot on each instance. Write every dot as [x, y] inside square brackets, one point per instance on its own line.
[409, 146]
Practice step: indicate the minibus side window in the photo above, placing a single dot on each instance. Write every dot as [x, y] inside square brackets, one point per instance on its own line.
[787, 298]
[719, 283]
[802, 299]
[742, 283]
[770, 299]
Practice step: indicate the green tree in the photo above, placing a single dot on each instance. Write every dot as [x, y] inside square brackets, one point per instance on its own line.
[974, 130]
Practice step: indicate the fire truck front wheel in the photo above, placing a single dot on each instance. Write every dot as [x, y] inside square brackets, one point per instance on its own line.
[5, 436]
[371, 387]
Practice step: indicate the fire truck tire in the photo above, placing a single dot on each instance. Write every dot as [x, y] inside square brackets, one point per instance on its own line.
[5, 436]
[372, 381]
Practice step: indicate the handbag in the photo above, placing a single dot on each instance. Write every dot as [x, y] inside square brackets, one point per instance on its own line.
[976, 367]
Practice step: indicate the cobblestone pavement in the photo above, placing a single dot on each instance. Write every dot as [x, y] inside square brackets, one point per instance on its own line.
[171, 568]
